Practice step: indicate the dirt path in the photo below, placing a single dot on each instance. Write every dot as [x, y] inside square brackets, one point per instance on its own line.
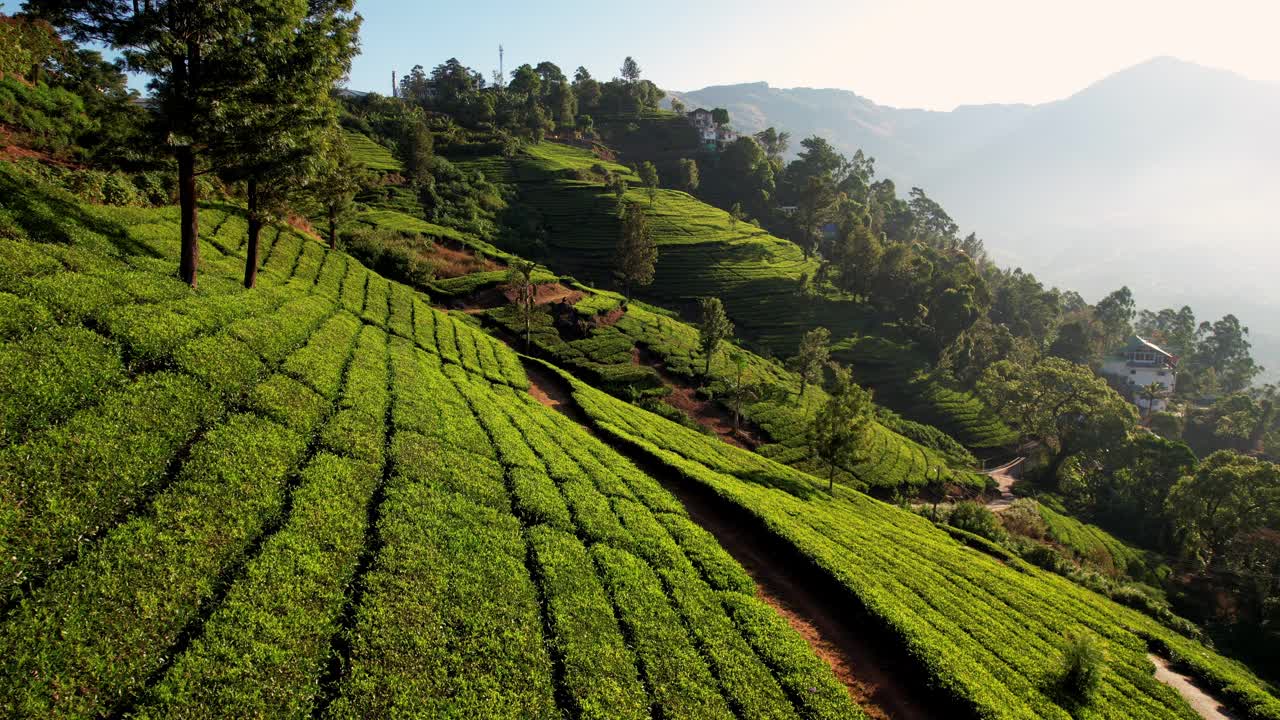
[824, 623]
[1199, 700]
[1005, 476]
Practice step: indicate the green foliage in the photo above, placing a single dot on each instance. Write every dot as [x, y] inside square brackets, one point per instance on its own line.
[840, 425]
[977, 519]
[49, 374]
[1081, 672]
[980, 627]
[140, 586]
[599, 668]
[370, 154]
[713, 329]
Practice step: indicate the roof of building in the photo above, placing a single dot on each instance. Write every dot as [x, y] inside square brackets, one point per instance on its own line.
[1141, 344]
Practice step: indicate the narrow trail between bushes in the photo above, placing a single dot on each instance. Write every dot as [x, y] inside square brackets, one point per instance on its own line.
[820, 618]
[1202, 702]
[1005, 476]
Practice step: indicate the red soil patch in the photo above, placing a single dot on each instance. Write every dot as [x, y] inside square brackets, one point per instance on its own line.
[544, 294]
[303, 225]
[865, 672]
[13, 153]
[706, 413]
[456, 262]
[610, 318]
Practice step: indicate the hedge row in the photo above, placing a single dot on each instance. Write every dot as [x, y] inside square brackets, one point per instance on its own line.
[49, 374]
[358, 430]
[64, 485]
[263, 650]
[600, 675]
[450, 624]
[987, 634]
[93, 635]
[678, 680]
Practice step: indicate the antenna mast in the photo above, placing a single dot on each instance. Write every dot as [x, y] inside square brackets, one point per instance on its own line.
[393, 83]
[502, 70]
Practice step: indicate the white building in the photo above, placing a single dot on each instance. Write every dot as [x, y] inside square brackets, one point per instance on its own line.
[1139, 364]
[713, 137]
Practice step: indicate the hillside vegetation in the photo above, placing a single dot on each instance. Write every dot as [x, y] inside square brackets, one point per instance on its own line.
[764, 281]
[322, 496]
[989, 630]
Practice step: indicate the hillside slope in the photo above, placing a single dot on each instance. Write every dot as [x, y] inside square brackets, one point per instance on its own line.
[1119, 184]
[988, 629]
[763, 280]
[323, 497]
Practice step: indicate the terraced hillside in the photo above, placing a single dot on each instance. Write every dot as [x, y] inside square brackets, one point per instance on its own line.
[325, 498]
[758, 276]
[988, 630]
[612, 354]
[902, 380]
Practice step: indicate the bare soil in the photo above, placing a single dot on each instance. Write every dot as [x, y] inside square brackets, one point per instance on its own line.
[1005, 476]
[1199, 700]
[707, 413]
[544, 294]
[827, 624]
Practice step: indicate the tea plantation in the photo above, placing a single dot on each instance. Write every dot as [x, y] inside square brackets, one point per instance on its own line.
[323, 497]
[758, 276]
[987, 630]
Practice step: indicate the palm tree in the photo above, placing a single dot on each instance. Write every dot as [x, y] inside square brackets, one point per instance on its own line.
[1151, 393]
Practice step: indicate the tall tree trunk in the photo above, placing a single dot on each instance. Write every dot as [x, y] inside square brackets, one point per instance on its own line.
[190, 260]
[333, 228]
[255, 229]
[831, 479]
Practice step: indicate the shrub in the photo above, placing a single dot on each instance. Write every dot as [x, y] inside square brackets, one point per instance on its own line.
[974, 518]
[1023, 518]
[47, 375]
[1081, 671]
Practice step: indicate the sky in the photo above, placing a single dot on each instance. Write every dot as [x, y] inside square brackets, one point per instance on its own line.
[933, 54]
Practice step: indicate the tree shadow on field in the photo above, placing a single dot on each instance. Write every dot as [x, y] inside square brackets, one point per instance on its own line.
[47, 218]
[798, 488]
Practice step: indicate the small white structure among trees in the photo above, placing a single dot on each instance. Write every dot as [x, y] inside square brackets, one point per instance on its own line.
[1140, 364]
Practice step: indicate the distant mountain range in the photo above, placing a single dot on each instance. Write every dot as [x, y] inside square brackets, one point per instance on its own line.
[1164, 177]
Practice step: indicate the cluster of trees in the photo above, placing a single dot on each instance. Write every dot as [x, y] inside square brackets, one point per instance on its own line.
[63, 99]
[440, 191]
[239, 89]
[533, 101]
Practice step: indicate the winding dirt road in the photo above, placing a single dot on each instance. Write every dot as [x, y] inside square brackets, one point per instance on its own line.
[1199, 700]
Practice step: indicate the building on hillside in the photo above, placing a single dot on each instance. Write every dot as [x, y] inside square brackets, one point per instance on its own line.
[712, 137]
[1139, 364]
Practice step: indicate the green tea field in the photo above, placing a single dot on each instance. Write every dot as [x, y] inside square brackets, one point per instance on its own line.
[323, 497]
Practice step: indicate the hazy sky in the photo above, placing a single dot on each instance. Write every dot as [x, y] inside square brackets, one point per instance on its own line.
[908, 53]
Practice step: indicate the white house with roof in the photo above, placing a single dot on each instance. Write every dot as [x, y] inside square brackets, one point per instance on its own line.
[1139, 364]
[713, 137]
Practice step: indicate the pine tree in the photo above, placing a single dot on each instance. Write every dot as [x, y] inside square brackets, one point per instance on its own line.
[841, 424]
[336, 183]
[202, 56]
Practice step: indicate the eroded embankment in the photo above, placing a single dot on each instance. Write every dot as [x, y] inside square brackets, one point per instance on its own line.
[821, 615]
